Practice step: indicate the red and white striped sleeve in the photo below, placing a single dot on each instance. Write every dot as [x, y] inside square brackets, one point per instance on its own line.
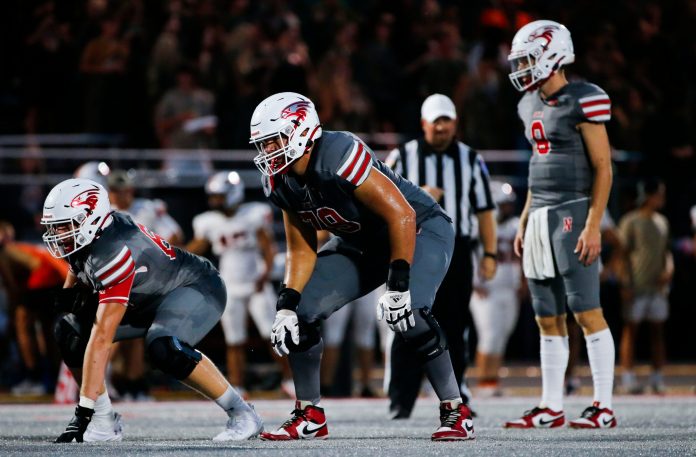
[596, 107]
[116, 277]
[357, 164]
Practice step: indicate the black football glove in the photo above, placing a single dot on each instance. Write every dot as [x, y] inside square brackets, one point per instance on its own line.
[77, 426]
[74, 299]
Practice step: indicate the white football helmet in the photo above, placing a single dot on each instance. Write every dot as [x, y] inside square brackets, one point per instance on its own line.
[288, 118]
[228, 183]
[538, 50]
[96, 171]
[502, 192]
[74, 213]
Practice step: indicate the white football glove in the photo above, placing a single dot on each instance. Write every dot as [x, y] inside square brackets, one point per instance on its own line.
[397, 307]
[285, 322]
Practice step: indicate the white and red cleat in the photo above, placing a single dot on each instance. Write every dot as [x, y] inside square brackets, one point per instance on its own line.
[538, 418]
[595, 417]
[455, 423]
[307, 422]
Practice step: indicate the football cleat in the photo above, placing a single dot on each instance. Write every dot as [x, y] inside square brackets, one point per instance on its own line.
[241, 426]
[455, 423]
[595, 417]
[307, 422]
[538, 418]
[104, 428]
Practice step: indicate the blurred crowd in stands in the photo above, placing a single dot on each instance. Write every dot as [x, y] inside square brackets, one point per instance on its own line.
[187, 74]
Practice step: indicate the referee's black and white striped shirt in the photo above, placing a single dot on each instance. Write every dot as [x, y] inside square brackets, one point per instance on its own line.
[458, 170]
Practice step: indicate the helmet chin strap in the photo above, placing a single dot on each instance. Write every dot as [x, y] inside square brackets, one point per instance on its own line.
[108, 220]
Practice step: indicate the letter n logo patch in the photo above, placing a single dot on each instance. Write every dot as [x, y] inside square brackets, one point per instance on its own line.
[567, 224]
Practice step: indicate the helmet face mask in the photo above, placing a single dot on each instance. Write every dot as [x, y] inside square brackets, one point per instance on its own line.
[60, 236]
[277, 160]
[289, 122]
[522, 74]
[538, 50]
[74, 213]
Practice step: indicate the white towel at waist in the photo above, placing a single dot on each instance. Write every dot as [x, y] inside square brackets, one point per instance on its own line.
[537, 257]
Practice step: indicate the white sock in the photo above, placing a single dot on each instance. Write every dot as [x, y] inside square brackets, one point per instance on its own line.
[601, 352]
[554, 360]
[231, 401]
[102, 405]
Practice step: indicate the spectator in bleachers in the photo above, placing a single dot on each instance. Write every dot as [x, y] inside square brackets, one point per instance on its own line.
[104, 64]
[185, 119]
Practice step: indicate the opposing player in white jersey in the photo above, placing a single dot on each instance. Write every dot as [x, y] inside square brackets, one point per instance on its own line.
[495, 303]
[149, 212]
[238, 233]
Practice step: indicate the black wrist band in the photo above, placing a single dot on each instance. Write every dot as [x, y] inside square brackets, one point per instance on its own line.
[399, 276]
[492, 255]
[288, 299]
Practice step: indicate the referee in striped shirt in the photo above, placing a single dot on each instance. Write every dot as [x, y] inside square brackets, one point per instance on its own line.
[457, 178]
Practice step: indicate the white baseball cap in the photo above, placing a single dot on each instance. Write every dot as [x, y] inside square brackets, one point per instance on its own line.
[438, 105]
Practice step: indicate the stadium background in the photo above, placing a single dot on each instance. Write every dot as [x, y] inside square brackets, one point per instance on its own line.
[368, 65]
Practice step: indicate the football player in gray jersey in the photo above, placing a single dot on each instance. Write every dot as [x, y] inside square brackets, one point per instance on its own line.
[387, 229]
[559, 236]
[127, 282]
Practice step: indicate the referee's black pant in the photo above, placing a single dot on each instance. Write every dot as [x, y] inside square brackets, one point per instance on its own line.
[451, 310]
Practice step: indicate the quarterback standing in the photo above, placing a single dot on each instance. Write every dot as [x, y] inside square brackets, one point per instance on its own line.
[559, 233]
[386, 228]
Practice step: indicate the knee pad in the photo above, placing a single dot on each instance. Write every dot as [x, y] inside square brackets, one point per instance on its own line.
[428, 344]
[575, 303]
[71, 343]
[309, 337]
[173, 357]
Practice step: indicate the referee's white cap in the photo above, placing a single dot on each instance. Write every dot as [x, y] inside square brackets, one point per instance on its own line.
[438, 105]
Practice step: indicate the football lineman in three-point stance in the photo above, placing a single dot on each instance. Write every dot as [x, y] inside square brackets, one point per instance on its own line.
[127, 282]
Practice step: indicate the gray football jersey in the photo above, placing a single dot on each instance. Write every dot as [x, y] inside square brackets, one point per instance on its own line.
[559, 169]
[130, 264]
[339, 163]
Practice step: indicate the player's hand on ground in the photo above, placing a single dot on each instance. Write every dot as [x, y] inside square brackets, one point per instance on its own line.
[396, 306]
[77, 426]
[589, 245]
[285, 324]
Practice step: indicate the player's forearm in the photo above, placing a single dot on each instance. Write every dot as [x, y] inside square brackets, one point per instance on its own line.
[487, 230]
[600, 195]
[94, 365]
[402, 234]
[525, 211]
[70, 280]
[299, 268]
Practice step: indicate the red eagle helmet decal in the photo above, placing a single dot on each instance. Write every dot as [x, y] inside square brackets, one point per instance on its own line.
[88, 198]
[297, 110]
[544, 33]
